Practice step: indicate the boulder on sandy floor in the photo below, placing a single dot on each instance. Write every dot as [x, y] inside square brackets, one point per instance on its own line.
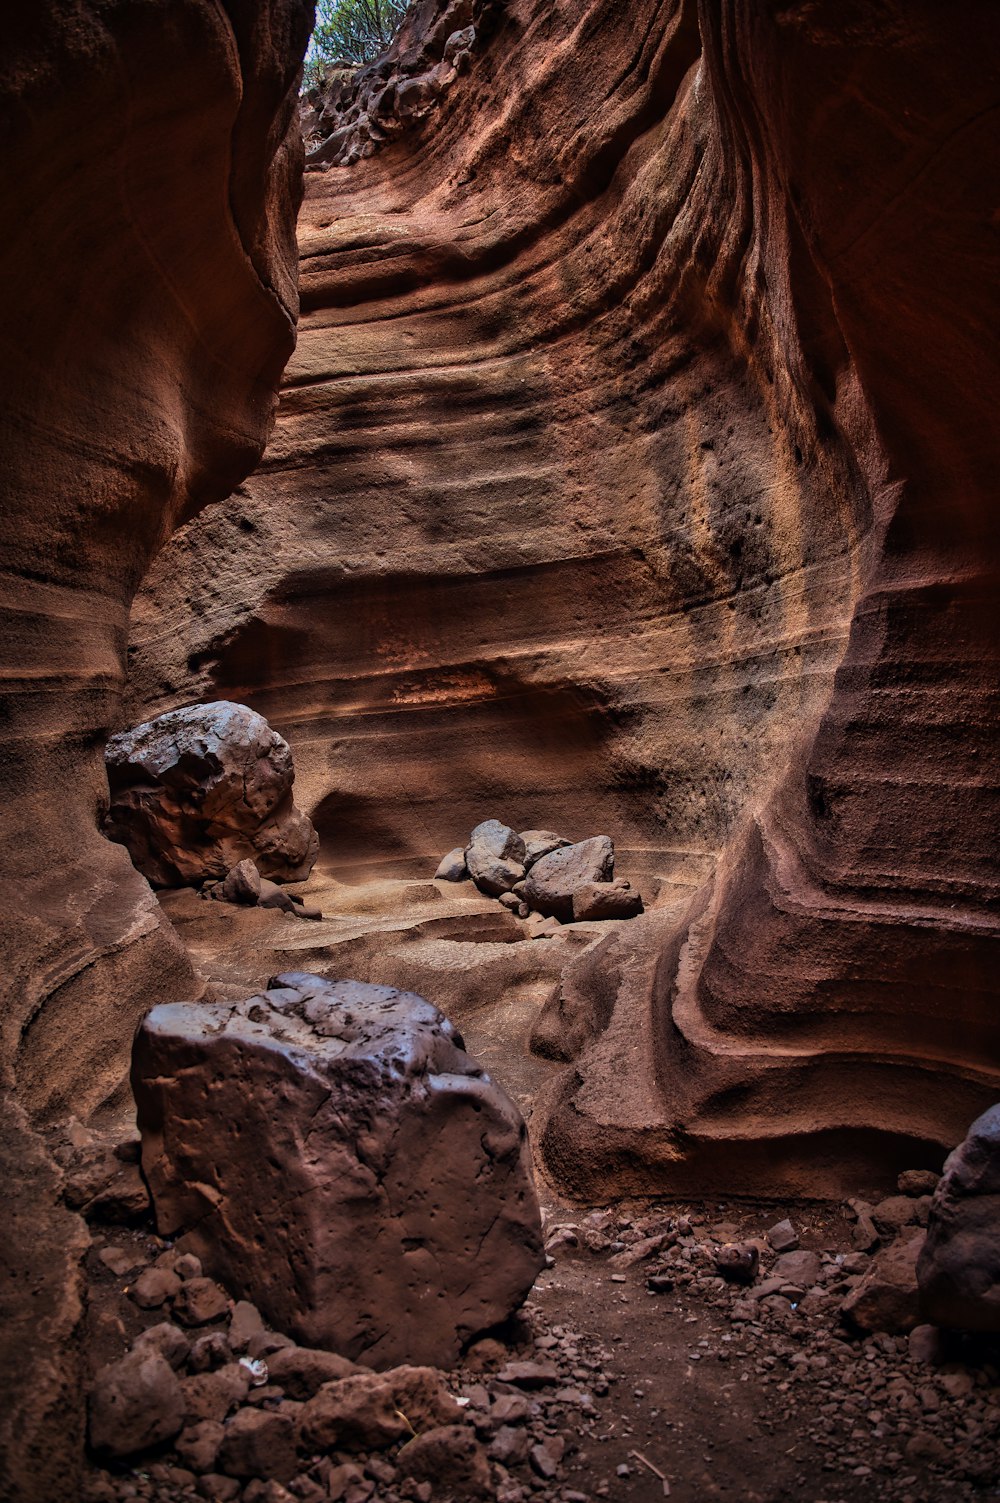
[887, 1299]
[452, 867]
[959, 1267]
[134, 1403]
[196, 791]
[499, 840]
[554, 879]
[606, 900]
[370, 1410]
[491, 873]
[330, 1150]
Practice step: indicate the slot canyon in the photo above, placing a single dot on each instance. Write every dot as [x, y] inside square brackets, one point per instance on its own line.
[578, 419]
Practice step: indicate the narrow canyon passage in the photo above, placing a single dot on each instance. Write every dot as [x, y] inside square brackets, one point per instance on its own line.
[581, 416]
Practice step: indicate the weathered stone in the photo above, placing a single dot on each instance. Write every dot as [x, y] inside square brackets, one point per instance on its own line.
[198, 1445]
[553, 879]
[887, 1299]
[492, 874]
[258, 1444]
[499, 840]
[738, 1262]
[197, 790]
[783, 1237]
[453, 867]
[893, 1213]
[210, 1352]
[372, 1410]
[605, 900]
[134, 1403]
[917, 1182]
[539, 843]
[244, 1323]
[166, 1339]
[801, 1267]
[242, 883]
[450, 1455]
[302, 1371]
[154, 1287]
[529, 1374]
[211, 1395]
[331, 1150]
[199, 1301]
[959, 1268]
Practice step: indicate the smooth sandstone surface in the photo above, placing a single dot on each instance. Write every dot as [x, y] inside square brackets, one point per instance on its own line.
[330, 1150]
[634, 473]
[149, 300]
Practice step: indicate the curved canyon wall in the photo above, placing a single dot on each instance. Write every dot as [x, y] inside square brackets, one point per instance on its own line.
[148, 266]
[632, 473]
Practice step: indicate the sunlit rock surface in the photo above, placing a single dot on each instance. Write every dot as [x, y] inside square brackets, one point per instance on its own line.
[634, 473]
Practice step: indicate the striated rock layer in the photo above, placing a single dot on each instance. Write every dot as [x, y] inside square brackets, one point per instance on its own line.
[633, 474]
[149, 303]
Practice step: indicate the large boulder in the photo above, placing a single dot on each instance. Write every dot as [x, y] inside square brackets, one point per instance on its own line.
[554, 878]
[134, 1403]
[329, 1149]
[196, 791]
[887, 1298]
[959, 1267]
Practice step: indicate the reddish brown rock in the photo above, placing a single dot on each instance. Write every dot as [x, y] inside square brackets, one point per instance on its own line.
[256, 1443]
[134, 1404]
[449, 1455]
[142, 388]
[959, 1268]
[605, 900]
[887, 1299]
[197, 791]
[372, 1410]
[302, 1371]
[330, 1150]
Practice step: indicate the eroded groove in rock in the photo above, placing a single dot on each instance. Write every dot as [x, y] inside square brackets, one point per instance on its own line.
[149, 306]
[631, 474]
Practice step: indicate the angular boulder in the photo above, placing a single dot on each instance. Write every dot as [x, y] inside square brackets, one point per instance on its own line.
[887, 1298]
[606, 900]
[554, 878]
[491, 873]
[196, 791]
[453, 867]
[134, 1403]
[959, 1267]
[538, 843]
[371, 1410]
[329, 1149]
[498, 840]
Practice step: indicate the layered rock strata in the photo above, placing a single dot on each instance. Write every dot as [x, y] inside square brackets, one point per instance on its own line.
[633, 473]
[329, 1149]
[149, 302]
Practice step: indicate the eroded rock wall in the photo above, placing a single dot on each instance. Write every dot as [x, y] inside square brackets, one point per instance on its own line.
[149, 303]
[633, 474]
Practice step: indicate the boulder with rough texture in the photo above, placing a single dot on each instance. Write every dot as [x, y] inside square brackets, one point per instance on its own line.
[887, 1298]
[553, 880]
[448, 1455]
[538, 843]
[257, 1443]
[329, 1149]
[499, 840]
[606, 900]
[134, 1403]
[491, 873]
[452, 867]
[241, 884]
[371, 1410]
[199, 791]
[959, 1267]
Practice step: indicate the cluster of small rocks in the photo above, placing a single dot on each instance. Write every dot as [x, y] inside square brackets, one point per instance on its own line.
[208, 1403]
[540, 875]
[244, 886]
[355, 111]
[838, 1336]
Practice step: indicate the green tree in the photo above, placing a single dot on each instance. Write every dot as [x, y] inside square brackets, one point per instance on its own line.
[351, 31]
